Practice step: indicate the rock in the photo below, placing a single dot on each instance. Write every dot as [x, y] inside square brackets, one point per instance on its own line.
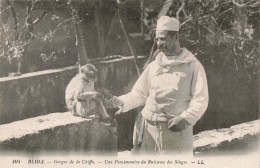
[58, 132]
[238, 138]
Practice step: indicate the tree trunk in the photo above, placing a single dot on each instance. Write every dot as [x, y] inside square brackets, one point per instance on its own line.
[100, 29]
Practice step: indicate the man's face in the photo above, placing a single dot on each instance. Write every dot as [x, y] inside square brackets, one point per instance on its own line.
[165, 42]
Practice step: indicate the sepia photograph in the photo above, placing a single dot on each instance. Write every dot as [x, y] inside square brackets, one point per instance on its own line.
[129, 83]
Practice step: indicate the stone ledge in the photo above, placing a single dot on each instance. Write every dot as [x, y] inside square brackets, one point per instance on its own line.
[69, 68]
[38, 73]
[58, 132]
[242, 137]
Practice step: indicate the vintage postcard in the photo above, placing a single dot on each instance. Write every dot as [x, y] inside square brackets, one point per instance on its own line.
[129, 83]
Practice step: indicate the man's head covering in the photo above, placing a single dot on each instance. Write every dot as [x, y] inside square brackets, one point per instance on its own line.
[167, 23]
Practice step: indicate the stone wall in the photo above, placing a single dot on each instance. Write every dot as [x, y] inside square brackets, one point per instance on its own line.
[58, 132]
[33, 94]
[238, 139]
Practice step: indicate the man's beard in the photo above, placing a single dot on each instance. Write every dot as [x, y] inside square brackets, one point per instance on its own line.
[162, 47]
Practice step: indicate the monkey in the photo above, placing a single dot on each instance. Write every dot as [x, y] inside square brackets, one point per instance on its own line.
[80, 95]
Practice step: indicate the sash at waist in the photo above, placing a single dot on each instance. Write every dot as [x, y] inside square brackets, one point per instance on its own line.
[156, 116]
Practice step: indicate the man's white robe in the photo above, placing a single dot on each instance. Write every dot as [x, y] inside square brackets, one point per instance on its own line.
[169, 88]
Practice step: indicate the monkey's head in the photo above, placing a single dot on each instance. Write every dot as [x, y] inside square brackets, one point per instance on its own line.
[88, 72]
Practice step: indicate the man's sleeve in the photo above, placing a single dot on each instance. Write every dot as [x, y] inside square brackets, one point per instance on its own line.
[137, 96]
[199, 100]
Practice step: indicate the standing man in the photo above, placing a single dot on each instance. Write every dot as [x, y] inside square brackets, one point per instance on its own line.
[173, 89]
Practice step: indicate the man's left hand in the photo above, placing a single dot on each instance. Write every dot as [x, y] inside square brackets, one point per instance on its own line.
[178, 124]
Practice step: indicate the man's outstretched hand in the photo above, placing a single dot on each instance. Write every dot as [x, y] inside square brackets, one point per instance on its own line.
[115, 102]
[178, 124]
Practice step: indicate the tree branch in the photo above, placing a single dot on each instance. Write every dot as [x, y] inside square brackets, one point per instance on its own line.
[15, 18]
[166, 6]
[30, 8]
[127, 39]
[180, 9]
[39, 18]
[3, 10]
[183, 23]
[245, 4]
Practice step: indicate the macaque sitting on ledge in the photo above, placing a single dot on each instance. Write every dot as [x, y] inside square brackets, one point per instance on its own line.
[82, 99]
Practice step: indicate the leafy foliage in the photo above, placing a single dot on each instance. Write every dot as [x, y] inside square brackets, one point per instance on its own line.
[21, 29]
[219, 31]
[9, 48]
